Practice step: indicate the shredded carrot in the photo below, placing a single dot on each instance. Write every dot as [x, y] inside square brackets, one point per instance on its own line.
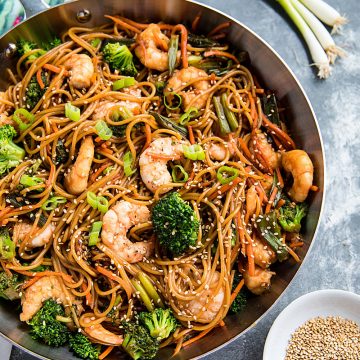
[196, 338]
[288, 141]
[88, 297]
[123, 24]
[296, 244]
[253, 112]
[94, 176]
[221, 53]
[236, 291]
[293, 254]
[314, 188]
[271, 199]
[106, 352]
[148, 135]
[30, 282]
[50, 179]
[8, 272]
[244, 147]
[161, 156]
[191, 178]
[39, 79]
[183, 46]
[195, 23]
[225, 188]
[66, 277]
[191, 135]
[54, 69]
[218, 28]
[54, 126]
[106, 150]
[280, 178]
[280, 203]
[259, 91]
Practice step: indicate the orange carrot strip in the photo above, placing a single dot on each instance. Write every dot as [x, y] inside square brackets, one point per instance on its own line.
[236, 291]
[280, 203]
[279, 176]
[161, 156]
[280, 133]
[296, 244]
[107, 151]
[54, 69]
[293, 254]
[225, 188]
[123, 24]
[88, 297]
[259, 91]
[314, 188]
[8, 272]
[250, 256]
[39, 79]
[191, 135]
[98, 171]
[244, 147]
[30, 282]
[183, 43]
[148, 135]
[106, 352]
[196, 338]
[217, 29]
[253, 112]
[271, 200]
[221, 53]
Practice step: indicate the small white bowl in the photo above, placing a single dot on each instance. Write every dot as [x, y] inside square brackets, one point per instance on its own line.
[318, 303]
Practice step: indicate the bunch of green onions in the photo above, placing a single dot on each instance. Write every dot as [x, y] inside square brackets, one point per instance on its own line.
[306, 15]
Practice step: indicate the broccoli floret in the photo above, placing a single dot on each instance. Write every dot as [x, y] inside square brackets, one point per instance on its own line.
[7, 246]
[52, 44]
[119, 57]
[160, 323]
[83, 348]
[291, 215]
[34, 92]
[138, 343]
[175, 224]
[239, 304]
[10, 286]
[45, 327]
[24, 46]
[10, 154]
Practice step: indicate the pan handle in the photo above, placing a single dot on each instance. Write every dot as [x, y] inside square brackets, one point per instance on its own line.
[32, 7]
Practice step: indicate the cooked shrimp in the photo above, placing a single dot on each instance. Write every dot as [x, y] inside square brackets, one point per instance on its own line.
[264, 256]
[153, 162]
[260, 145]
[151, 49]
[299, 164]
[260, 282]
[206, 306]
[183, 76]
[81, 70]
[77, 179]
[98, 332]
[41, 238]
[5, 120]
[251, 201]
[47, 287]
[117, 221]
[218, 151]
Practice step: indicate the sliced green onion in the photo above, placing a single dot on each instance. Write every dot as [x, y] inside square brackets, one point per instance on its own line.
[102, 204]
[143, 295]
[103, 130]
[223, 124]
[160, 86]
[123, 83]
[95, 233]
[7, 246]
[95, 42]
[194, 152]
[169, 124]
[21, 115]
[72, 112]
[63, 319]
[122, 112]
[194, 60]
[173, 49]
[53, 202]
[150, 289]
[108, 170]
[226, 174]
[319, 57]
[128, 160]
[186, 117]
[29, 181]
[177, 102]
[179, 174]
[92, 199]
[230, 116]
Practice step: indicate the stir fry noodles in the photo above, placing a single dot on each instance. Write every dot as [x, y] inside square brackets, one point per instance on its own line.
[148, 183]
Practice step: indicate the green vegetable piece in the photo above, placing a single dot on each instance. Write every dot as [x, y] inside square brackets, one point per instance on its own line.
[179, 175]
[230, 116]
[10, 286]
[95, 42]
[226, 174]
[270, 231]
[83, 348]
[270, 108]
[172, 53]
[128, 160]
[175, 101]
[11, 155]
[23, 118]
[150, 289]
[55, 42]
[223, 123]
[102, 204]
[103, 130]
[34, 93]
[95, 233]
[201, 41]
[119, 57]
[24, 46]
[123, 83]
[121, 113]
[169, 124]
[143, 295]
[138, 343]
[72, 112]
[240, 302]
[175, 224]
[45, 328]
[29, 181]
[194, 152]
[188, 115]
[160, 323]
[7, 246]
[53, 202]
[61, 155]
[92, 199]
[291, 215]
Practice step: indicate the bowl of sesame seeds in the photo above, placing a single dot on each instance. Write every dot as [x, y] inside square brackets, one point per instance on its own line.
[323, 324]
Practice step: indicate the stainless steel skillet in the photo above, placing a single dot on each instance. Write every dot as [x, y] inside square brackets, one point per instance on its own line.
[270, 69]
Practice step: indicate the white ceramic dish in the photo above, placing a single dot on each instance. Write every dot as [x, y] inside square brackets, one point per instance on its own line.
[318, 303]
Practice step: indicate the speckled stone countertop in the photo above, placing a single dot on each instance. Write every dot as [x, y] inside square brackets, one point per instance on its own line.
[334, 259]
